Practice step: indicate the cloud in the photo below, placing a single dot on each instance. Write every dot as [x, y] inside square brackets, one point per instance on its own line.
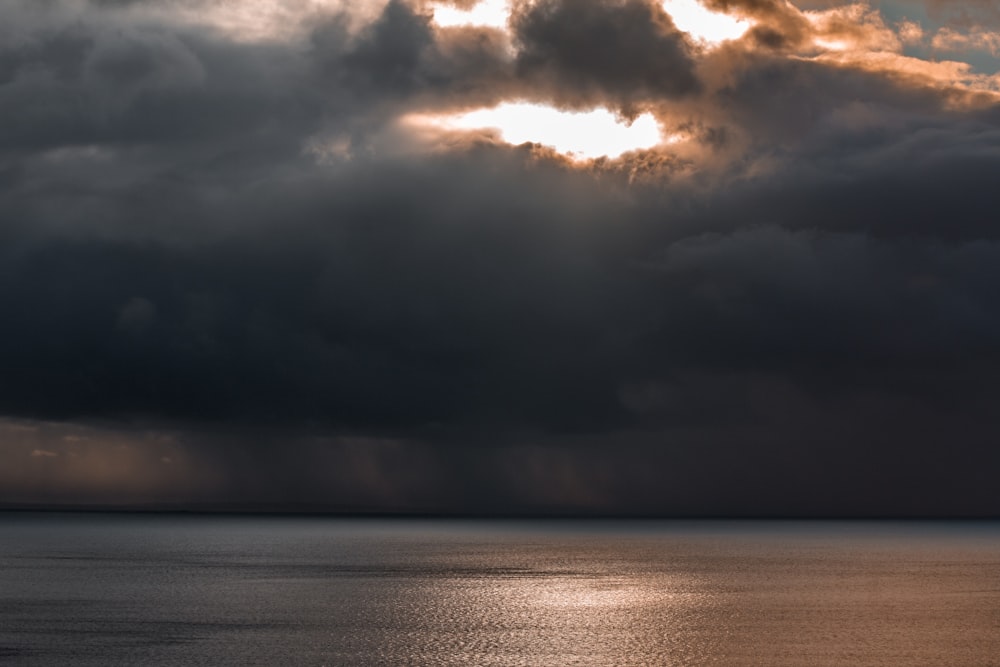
[965, 14]
[237, 243]
[947, 39]
[590, 51]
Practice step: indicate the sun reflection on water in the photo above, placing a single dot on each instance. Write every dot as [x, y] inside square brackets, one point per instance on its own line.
[562, 609]
[577, 594]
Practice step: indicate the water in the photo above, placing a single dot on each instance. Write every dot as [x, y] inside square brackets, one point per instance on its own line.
[163, 590]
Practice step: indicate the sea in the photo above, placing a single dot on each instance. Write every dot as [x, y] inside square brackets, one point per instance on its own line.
[124, 589]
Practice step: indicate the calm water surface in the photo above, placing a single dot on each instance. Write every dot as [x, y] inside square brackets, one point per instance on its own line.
[162, 590]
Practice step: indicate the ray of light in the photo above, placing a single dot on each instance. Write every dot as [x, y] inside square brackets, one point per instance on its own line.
[832, 44]
[703, 24]
[581, 135]
[486, 13]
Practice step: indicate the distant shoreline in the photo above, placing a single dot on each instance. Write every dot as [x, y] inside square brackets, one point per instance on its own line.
[477, 516]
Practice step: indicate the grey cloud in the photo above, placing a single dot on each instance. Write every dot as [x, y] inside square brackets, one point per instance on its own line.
[387, 55]
[354, 303]
[846, 303]
[136, 86]
[965, 14]
[61, 53]
[595, 50]
[139, 61]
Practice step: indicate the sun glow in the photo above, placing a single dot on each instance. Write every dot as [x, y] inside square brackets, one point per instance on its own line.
[832, 45]
[580, 135]
[486, 13]
[703, 24]
[689, 15]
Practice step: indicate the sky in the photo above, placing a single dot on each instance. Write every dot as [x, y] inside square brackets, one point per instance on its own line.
[737, 258]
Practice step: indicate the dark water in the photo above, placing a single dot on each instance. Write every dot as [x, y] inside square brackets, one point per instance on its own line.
[135, 590]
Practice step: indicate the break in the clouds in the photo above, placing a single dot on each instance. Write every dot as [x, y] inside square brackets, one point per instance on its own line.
[257, 254]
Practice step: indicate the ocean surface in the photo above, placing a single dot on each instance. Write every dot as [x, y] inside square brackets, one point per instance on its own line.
[109, 590]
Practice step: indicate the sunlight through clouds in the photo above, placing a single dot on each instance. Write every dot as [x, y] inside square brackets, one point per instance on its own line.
[580, 135]
[703, 24]
[689, 16]
[487, 13]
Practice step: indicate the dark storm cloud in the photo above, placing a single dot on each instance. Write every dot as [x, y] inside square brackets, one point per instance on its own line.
[590, 51]
[399, 61]
[387, 55]
[367, 314]
[119, 86]
[839, 149]
[230, 241]
[849, 306]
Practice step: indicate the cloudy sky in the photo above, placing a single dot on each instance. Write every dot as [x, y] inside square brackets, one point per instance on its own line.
[738, 257]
